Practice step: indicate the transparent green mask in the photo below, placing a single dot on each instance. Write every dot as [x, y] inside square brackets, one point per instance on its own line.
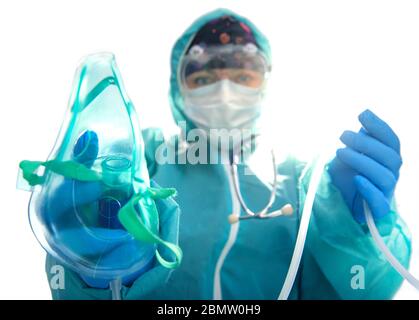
[92, 206]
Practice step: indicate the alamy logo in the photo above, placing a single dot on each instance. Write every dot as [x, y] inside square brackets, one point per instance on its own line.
[358, 278]
[198, 141]
[57, 281]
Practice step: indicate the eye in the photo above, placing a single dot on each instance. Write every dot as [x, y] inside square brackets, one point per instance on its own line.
[203, 80]
[243, 78]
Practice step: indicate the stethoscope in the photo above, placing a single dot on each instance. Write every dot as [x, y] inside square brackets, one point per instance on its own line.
[305, 219]
[264, 213]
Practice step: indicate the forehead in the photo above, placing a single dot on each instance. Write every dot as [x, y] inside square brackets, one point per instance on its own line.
[223, 71]
[223, 60]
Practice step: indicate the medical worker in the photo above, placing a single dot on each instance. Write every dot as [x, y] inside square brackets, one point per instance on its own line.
[219, 71]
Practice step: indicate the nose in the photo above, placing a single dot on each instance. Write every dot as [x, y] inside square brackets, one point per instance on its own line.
[222, 74]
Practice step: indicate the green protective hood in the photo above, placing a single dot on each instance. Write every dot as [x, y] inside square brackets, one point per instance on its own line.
[179, 48]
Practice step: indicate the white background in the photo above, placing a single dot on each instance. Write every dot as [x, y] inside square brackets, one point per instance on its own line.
[331, 60]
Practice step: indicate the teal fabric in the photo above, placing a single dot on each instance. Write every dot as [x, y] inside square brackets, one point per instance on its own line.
[256, 265]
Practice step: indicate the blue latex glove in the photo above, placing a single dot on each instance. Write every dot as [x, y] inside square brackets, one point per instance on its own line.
[76, 193]
[75, 238]
[368, 167]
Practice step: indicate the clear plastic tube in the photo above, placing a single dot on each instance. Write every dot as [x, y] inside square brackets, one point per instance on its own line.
[302, 231]
[116, 286]
[302, 234]
[383, 248]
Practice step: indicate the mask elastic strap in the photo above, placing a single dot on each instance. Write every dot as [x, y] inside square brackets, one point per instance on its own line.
[143, 227]
[69, 169]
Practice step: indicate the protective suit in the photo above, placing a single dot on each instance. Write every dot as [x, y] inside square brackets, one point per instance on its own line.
[250, 259]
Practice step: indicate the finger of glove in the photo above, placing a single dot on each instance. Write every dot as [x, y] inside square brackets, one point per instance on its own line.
[379, 129]
[71, 193]
[341, 176]
[86, 148]
[382, 177]
[376, 200]
[93, 243]
[374, 149]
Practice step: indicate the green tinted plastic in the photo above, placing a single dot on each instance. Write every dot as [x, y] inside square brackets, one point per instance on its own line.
[100, 142]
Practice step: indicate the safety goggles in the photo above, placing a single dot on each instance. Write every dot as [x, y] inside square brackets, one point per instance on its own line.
[241, 64]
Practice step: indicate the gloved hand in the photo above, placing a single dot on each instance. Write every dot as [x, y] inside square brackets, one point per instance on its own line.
[368, 167]
[106, 243]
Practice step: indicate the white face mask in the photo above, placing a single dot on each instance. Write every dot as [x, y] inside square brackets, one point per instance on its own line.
[223, 105]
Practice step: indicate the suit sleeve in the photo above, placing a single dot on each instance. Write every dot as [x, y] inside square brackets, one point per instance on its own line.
[341, 260]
